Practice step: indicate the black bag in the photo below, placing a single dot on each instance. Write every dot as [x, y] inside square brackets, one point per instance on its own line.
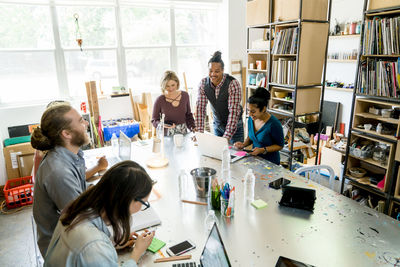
[299, 198]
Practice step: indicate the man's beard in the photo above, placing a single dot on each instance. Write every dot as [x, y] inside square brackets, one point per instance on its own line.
[79, 139]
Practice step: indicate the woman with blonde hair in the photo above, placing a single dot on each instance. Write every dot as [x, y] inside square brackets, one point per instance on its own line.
[175, 104]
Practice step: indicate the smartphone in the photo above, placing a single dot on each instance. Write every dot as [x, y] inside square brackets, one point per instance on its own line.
[181, 248]
[277, 184]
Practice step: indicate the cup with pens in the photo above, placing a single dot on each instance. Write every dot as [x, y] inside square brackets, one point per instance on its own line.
[215, 195]
[227, 200]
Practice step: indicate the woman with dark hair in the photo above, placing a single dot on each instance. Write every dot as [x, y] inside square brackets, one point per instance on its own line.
[264, 129]
[82, 237]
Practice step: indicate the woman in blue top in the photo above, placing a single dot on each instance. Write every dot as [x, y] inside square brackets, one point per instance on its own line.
[99, 219]
[264, 129]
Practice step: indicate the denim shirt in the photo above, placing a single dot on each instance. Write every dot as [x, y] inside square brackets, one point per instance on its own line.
[60, 179]
[87, 244]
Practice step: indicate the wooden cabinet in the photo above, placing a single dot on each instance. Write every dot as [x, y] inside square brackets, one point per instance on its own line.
[286, 10]
[379, 4]
[375, 168]
[295, 57]
[369, 112]
[376, 105]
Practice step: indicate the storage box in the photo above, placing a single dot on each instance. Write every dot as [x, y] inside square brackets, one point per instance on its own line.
[18, 192]
[285, 10]
[257, 12]
[378, 4]
[18, 159]
[130, 129]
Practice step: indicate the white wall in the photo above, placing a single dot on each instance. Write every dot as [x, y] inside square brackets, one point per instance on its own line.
[343, 11]
[237, 31]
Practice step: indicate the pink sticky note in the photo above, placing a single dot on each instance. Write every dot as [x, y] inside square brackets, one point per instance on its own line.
[240, 153]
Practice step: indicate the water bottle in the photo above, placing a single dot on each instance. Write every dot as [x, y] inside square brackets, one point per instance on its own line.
[226, 166]
[249, 183]
[210, 220]
[182, 182]
[114, 144]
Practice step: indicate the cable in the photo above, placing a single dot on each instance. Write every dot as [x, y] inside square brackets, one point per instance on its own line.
[7, 212]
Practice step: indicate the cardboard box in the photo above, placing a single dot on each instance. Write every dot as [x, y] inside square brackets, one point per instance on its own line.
[378, 4]
[257, 12]
[19, 160]
[285, 10]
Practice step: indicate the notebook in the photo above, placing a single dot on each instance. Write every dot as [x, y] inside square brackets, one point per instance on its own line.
[212, 146]
[214, 252]
[144, 219]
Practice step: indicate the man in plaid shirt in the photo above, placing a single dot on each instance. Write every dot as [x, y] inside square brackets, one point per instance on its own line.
[224, 94]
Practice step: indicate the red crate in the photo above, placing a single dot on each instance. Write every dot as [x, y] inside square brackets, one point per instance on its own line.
[18, 192]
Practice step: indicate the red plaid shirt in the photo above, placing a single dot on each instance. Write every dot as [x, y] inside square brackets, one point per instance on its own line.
[234, 107]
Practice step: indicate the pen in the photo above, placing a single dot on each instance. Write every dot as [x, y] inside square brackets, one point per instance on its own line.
[161, 254]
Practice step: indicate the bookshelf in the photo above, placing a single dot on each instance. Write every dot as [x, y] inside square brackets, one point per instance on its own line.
[295, 57]
[376, 105]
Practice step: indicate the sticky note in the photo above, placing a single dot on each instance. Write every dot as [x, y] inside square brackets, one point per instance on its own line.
[156, 245]
[259, 204]
[240, 153]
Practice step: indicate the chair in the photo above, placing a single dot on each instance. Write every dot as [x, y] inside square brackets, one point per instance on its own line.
[314, 173]
[38, 256]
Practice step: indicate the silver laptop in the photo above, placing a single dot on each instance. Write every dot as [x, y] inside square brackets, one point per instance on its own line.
[124, 152]
[212, 146]
[214, 252]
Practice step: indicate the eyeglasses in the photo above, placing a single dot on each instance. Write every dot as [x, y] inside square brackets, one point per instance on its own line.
[145, 204]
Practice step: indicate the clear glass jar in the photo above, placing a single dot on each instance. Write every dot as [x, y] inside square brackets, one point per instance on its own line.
[379, 153]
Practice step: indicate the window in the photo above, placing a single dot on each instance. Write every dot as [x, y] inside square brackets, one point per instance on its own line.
[27, 62]
[128, 42]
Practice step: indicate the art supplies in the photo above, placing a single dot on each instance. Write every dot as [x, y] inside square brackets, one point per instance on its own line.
[259, 204]
[194, 202]
[156, 245]
[227, 200]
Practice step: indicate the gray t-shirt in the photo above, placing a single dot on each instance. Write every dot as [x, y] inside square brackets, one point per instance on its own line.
[59, 180]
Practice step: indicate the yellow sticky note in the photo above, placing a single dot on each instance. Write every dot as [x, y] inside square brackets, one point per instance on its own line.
[370, 255]
[259, 204]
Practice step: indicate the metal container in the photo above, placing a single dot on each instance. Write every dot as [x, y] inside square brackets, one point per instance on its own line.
[202, 178]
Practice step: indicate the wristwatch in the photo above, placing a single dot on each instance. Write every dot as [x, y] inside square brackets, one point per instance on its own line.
[265, 150]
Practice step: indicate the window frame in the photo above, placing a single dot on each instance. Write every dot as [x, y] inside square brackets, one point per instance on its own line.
[120, 50]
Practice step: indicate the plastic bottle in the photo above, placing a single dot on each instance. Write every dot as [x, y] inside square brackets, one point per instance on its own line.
[226, 166]
[210, 220]
[114, 144]
[249, 183]
[182, 181]
[379, 128]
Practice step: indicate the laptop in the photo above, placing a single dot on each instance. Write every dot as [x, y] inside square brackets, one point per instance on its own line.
[212, 146]
[214, 252]
[124, 150]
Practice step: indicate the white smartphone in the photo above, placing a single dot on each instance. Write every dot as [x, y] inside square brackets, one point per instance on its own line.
[181, 248]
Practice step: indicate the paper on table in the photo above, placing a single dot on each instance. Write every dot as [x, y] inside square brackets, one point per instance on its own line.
[240, 153]
[259, 204]
[144, 219]
[156, 245]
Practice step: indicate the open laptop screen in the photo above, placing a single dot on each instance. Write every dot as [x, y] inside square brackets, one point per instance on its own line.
[214, 253]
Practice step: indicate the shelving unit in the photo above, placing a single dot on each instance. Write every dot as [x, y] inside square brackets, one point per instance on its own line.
[365, 110]
[394, 209]
[304, 89]
[345, 36]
